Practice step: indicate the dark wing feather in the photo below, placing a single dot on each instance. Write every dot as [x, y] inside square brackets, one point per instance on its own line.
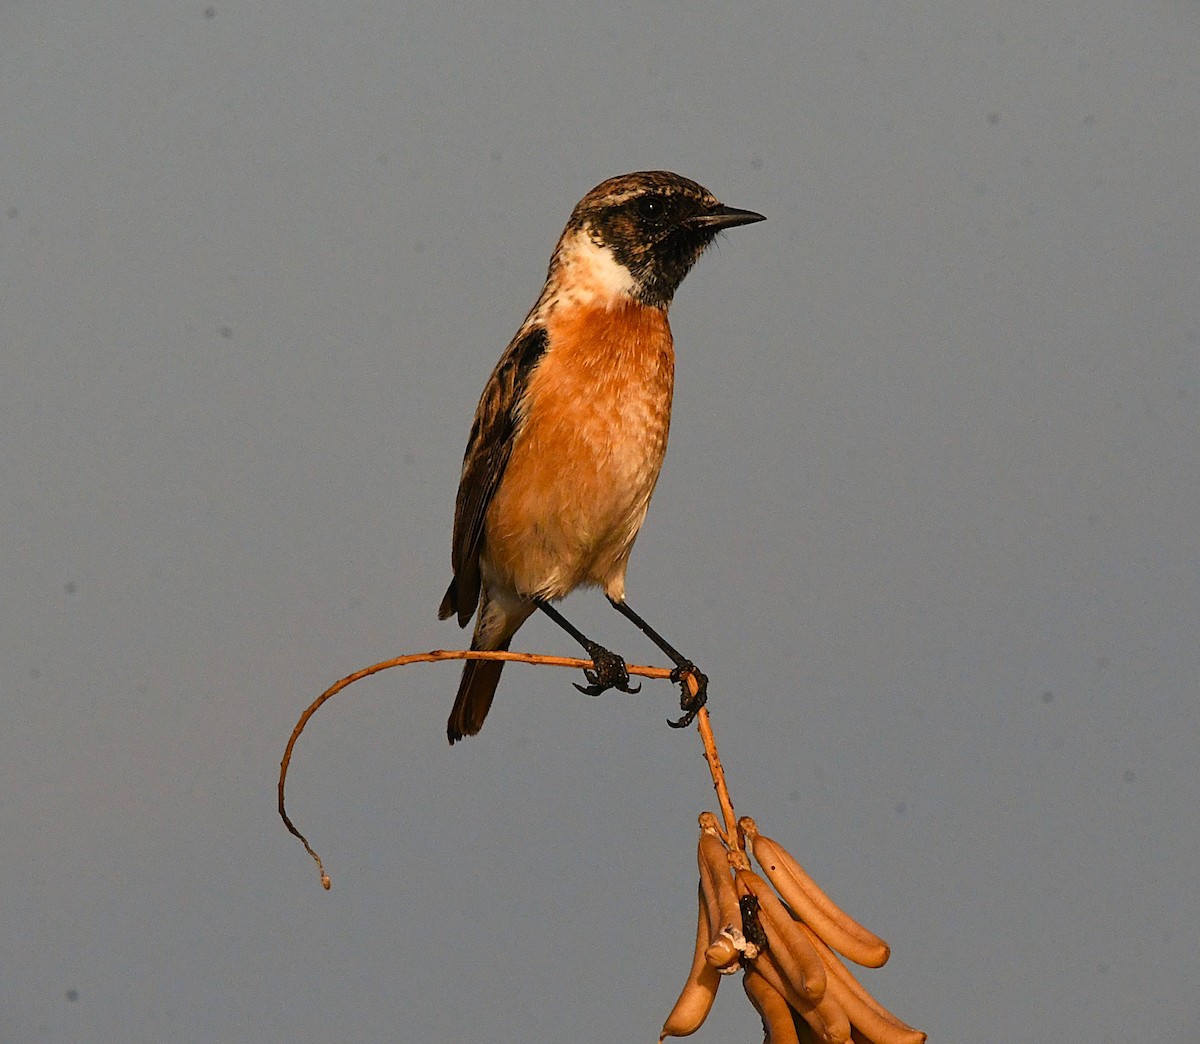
[488, 449]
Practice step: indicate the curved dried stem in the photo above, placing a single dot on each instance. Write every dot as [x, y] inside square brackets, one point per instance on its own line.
[436, 656]
[818, 923]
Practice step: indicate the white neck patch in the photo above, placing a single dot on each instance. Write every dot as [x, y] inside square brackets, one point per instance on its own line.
[590, 274]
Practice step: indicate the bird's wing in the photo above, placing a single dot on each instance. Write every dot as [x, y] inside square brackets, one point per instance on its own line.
[496, 420]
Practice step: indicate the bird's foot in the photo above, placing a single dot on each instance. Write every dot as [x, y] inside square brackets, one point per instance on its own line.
[690, 702]
[608, 672]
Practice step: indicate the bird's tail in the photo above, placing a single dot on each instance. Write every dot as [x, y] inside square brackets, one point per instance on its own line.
[475, 692]
[499, 617]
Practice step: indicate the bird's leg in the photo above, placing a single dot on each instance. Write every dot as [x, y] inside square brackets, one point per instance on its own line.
[688, 703]
[609, 671]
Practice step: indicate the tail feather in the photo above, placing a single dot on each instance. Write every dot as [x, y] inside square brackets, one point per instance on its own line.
[475, 692]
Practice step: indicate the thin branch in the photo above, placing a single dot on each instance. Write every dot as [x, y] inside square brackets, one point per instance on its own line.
[809, 931]
[735, 841]
[436, 656]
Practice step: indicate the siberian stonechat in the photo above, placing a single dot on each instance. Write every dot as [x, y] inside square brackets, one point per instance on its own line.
[571, 429]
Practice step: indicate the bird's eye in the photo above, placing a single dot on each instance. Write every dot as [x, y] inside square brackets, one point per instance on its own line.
[652, 208]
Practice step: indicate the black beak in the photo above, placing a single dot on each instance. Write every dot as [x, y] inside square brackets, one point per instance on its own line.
[721, 216]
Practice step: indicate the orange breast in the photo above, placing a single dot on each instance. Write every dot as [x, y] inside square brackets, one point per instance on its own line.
[587, 455]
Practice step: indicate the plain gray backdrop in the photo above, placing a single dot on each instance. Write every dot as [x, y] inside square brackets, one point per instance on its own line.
[930, 517]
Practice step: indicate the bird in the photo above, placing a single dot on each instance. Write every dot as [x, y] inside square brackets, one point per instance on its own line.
[570, 431]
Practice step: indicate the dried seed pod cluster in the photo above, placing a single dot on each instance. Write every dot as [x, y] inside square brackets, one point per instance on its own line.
[781, 930]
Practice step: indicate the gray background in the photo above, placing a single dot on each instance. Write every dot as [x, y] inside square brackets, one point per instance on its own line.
[929, 517]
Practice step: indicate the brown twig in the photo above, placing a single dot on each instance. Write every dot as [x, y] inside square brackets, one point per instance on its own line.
[436, 656]
[734, 839]
[846, 1000]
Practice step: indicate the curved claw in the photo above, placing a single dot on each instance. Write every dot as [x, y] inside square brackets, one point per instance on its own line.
[689, 704]
[596, 688]
[610, 673]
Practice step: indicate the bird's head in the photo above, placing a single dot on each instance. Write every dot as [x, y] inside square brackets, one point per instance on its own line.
[638, 235]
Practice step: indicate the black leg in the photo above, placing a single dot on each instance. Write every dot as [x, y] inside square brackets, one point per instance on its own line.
[689, 704]
[609, 668]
